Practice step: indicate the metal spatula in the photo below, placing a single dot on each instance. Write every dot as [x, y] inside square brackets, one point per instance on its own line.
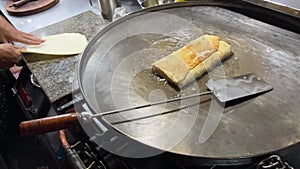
[225, 90]
[229, 89]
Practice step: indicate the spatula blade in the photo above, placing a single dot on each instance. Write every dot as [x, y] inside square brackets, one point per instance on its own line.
[229, 89]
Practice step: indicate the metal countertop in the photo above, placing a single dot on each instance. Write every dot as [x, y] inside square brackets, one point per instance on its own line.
[63, 10]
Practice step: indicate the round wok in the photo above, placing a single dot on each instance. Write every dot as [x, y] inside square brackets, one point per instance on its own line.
[115, 72]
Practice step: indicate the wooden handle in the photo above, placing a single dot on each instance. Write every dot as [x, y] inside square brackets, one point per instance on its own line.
[20, 3]
[48, 124]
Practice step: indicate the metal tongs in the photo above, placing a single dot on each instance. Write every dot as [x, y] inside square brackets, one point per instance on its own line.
[225, 90]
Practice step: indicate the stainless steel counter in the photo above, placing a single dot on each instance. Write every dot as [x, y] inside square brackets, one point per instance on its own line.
[63, 10]
[289, 7]
[289, 3]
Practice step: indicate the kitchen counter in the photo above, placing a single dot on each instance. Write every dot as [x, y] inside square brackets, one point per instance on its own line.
[57, 74]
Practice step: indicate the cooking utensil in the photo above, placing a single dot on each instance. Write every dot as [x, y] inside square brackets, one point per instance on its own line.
[25, 8]
[229, 89]
[108, 7]
[60, 44]
[226, 89]
[20, 3]
[48, 124]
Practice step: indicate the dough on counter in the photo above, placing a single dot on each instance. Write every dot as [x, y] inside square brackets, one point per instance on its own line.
[60, 44]
[191, 61]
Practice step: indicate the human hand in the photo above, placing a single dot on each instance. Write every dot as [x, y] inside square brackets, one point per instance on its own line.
[8, 33]
[9, 55]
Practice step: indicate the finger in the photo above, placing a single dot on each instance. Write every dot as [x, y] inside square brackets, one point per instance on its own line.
[18, 53]
[20, 48]
[4, 40]
[35, 40]
[30, 39]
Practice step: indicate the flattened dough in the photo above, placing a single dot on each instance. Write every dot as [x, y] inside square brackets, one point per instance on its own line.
[60, 44]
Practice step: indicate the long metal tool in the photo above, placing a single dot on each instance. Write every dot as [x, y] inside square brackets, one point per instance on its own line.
[151, 104]
[225, 90]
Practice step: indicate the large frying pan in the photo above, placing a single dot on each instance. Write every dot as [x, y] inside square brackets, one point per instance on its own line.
[115, 72]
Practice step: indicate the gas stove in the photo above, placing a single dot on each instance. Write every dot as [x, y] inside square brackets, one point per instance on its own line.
[89, 155]
[83, 152]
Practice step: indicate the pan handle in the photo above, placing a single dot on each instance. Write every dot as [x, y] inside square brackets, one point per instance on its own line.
[48, 124]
